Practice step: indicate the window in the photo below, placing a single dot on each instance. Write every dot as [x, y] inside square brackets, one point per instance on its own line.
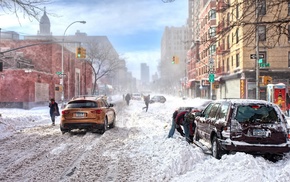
[288, 8]
[288, 59]
[237, 36]
[213, 110]
[207, 110]
[228, 64]
[237, 60]
[223, 111]
[212, 49]
[262, 32]
[237, 11]
[288, 33]
[212, 32]
[262, 7]
[212, 14]
[228, 19]
[228, 42]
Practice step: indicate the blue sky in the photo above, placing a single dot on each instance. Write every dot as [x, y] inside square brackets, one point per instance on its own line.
[134, 27]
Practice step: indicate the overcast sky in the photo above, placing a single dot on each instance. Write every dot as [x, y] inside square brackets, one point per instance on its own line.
[134, 27]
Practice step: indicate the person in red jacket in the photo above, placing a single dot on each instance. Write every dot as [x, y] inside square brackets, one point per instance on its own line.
[179, 121]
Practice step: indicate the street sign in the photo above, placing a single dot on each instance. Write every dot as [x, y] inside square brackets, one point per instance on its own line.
[211, 78]
[58, 73]
[253, 56]
[264, 65]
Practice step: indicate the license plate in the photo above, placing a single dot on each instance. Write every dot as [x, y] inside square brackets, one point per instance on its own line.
[80, 114]
[259, 132]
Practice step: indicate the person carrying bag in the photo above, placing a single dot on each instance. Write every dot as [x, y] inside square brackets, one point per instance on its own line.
[54, 110]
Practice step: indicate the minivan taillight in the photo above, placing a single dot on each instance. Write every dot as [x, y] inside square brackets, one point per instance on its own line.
[97, 111]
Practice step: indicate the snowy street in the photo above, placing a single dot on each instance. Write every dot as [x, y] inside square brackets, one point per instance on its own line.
[137, 149]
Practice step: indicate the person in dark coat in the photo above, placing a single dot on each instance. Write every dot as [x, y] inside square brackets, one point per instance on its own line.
[146, 100]
[189, 125]
[128, 98]
[53, 111]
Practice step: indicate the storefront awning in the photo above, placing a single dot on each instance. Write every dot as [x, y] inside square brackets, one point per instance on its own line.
[190, 83]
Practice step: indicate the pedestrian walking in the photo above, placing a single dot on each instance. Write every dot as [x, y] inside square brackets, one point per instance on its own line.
[128, 98]
[53, 111]
[146, 100]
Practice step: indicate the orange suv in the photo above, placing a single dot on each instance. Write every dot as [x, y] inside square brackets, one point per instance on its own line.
[92, 113]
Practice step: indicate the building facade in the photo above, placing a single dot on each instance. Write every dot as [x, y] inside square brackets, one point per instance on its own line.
[248, 47]
[173, 73]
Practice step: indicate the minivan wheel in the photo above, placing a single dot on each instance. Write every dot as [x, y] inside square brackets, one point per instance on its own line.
[216, 151]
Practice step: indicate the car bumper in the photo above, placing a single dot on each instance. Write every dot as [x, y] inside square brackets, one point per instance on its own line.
[81, 125]
[261, 149]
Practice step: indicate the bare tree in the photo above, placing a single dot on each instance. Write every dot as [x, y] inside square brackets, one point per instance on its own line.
[103, 59]
[29, 8]
[269, 18]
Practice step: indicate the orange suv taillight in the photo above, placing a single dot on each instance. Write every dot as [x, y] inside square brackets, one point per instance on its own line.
[64, 112]
[97, 111]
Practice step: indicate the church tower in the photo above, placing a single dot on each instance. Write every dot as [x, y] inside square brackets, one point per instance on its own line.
[44, 25]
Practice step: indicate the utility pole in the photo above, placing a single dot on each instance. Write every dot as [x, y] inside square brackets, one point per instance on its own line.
[257, 52]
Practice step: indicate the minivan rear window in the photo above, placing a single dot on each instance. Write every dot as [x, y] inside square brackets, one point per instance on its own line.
[256, 113]
[82, 104]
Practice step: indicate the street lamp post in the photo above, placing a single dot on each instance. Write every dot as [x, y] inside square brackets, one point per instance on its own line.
[62, 71]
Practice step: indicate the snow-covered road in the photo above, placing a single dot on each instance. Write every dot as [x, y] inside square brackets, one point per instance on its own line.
[137, 149]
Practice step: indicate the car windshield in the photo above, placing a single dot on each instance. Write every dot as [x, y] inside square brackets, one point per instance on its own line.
[82, 104]
[256, 113]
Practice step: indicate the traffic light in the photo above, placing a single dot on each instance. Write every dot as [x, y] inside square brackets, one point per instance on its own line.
[176, 60]
[173, 59]
[83, 52]
[267, 80]
[79, 52]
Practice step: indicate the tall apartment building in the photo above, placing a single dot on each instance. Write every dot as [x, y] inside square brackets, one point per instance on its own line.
[145, 76]
[242, 31]
[175, 43]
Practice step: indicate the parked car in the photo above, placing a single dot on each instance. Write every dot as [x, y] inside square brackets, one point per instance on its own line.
[87, 112]
[136, 96]
[158, 98]
[239, 125]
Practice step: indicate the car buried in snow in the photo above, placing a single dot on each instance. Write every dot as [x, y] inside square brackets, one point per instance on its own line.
[157, 98]
[91, 113]
[256, 127]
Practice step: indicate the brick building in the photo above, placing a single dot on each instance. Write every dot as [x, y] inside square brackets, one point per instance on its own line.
[30, 74]
[32, 66]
